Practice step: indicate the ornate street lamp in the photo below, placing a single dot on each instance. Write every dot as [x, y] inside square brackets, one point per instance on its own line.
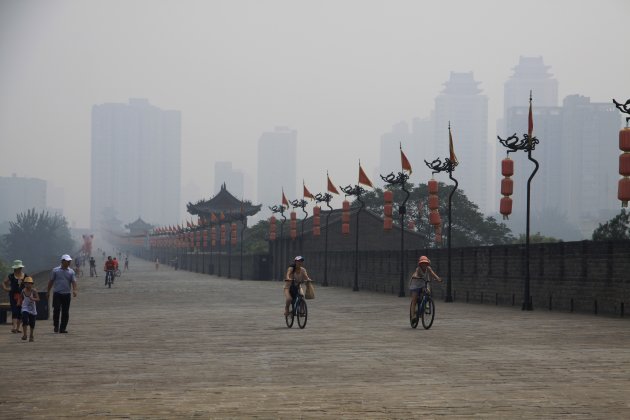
[355, 191]
[623, 186]
[280, 209]
[325, 198]
[400, 179]
[438, 166]
[528, 144]
[301, 204]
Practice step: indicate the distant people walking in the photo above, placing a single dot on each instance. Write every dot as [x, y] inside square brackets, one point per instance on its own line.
[63, 283]
[13, 284]
[296, 275]
[93, 267]
[175, 263]
[30, 297]
[157, 264]
[126, 263]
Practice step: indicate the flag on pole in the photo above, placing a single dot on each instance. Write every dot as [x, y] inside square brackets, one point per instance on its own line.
[285, 202]
[406, 166]
[307, 193]
[331, 186]
[451, 149]
[363, 179]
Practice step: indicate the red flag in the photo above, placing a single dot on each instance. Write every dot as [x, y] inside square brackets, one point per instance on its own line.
[331, 186]
[285, 202]
[406, 166]
[451, 149]
[363, 179]
[307, 193]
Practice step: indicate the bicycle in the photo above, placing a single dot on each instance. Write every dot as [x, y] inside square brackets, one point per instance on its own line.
[425, 308]
[299, 310]
[109, 278]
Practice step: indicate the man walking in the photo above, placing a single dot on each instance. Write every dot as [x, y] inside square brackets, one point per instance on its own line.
[63, 282]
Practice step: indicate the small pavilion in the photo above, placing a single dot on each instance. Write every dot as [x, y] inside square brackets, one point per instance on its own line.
[223, 203]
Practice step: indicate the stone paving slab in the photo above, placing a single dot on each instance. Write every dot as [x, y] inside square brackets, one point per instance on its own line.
[174, 344]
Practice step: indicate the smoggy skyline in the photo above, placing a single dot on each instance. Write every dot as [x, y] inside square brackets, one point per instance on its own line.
[340, 73]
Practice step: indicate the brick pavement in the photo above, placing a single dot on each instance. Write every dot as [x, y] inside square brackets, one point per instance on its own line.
[177, 344]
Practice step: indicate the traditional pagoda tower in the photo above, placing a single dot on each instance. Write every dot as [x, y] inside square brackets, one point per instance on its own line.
[223, 203]
[139, 227]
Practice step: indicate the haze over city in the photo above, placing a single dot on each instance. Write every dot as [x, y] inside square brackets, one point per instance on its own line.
[339, 73]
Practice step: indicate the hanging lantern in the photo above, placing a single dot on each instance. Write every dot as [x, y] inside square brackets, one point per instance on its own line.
[223, 235]
[434, 218]
[623, 191]
[388, 223]
[388, 210]
[388, 197]
[233, 233]
[316, 221]
[432, 186]
[507, 187]
[345, 217]
[272, 228]
[434, 202]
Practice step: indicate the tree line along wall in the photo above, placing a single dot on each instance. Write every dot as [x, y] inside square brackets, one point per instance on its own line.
[586, 276]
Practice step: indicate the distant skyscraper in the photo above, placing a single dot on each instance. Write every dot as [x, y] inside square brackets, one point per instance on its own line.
[233, 179]
[136, 161]
[277, 154]
[462, 103]
[19, 195]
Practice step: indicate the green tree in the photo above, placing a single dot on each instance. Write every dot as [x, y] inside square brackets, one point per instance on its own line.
[616, 228]
[38, 239]
[255, 238]
[470, 226]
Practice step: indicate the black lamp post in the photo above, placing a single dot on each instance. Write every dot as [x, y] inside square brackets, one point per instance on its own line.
[326, 199]
[355, 191]
[400, 179]
[449, 166]
[301, 204]
[527, 144]
[280, 209]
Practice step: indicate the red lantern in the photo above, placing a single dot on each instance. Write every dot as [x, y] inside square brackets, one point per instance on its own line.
[293, 233]
[272, 236]
[345, 205]
[223, 235]
[388, 223]
[507, 186]
[624, 164]
[624, 139]
[507, 167]
[345, 228]
[506, 207]
[433, 186]
[345, 217]
[388, 209]
[388, 196]
[293, 215]
[434, 202]
[434, 218]
[623, 193]
[316, 231]
[316, 211]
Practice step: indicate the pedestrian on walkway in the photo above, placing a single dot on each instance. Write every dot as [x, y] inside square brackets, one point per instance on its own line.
[13, 284]
[63, 282]
[157, 264]
[30, 297]
[126, 263]
[296, 275]
[416, 283]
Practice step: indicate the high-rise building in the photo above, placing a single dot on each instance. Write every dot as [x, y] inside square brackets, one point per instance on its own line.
[20, 194]
[225, 175]
[277, 170]
[462, 104]
[135, 162]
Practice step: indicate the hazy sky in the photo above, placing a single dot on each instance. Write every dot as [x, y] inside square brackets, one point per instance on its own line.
[340, 72]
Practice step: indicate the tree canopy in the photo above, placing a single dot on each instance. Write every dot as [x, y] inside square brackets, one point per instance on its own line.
[617, 228]
[470, 226]
[38, 239]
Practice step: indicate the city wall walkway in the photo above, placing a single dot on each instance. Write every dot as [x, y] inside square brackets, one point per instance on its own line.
[166, 344]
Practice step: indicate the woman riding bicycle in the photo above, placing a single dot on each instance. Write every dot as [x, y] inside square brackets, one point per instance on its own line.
[296, 275]
[423, 272]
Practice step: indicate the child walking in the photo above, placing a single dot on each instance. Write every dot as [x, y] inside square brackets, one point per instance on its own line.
[29, 307]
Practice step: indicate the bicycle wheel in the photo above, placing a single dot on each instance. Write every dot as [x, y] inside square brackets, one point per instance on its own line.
[428, 313]
[302, 313]
[413, 320]
[118, 273]
[289, 318]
